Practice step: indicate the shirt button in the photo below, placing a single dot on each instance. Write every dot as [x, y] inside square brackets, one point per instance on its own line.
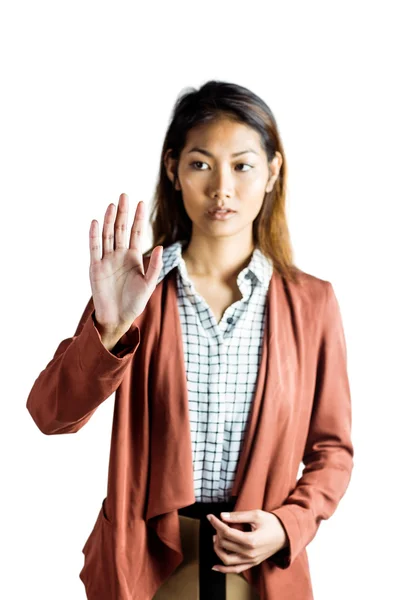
[229, 320]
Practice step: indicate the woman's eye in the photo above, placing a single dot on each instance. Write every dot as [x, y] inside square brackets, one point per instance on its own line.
[199, 162]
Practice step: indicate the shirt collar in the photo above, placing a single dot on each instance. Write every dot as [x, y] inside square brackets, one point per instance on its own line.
[260, 266]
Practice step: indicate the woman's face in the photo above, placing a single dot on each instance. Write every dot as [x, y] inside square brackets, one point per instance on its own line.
[210, 175]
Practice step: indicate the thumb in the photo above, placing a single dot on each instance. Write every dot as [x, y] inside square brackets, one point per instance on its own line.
[240, 516]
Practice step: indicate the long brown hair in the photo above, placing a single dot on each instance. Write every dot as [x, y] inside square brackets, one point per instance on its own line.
[168, 218]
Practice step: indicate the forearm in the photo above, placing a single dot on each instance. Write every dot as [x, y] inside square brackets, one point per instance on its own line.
[81, 375]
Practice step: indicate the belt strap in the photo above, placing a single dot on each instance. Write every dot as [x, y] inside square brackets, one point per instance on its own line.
[212, 584]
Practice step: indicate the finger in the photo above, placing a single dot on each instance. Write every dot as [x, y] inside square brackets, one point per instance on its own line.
[239, 568]
[94, 242]
[121, 222]
[229, 533]
[108, 230]
[232, 559]
[231, 548]
[135, 240]
[154, 266]
[242, 516]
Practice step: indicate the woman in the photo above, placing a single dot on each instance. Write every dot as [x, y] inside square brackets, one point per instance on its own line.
[229, 367]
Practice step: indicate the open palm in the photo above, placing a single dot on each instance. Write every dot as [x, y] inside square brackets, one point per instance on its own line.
[120, 287]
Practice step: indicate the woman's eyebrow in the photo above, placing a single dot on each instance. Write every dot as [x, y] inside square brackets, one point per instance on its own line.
[207, 153]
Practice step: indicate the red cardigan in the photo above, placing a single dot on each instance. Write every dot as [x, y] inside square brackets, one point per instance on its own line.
[301, 412]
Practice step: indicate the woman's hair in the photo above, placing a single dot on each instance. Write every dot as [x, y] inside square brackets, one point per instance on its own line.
[215, 99]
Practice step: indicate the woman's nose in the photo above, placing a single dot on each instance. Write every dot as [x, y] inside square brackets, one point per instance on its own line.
[222, 182]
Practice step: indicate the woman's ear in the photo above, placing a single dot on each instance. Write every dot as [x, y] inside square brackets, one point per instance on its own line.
[274, 168]
[171, 165]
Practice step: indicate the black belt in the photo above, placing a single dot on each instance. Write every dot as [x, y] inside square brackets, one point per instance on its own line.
[212, 584]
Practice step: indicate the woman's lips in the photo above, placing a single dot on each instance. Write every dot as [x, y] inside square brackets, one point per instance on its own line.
[221, 215]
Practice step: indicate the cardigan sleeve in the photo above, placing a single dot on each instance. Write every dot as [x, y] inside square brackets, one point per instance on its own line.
[328, 455]
[79, 377]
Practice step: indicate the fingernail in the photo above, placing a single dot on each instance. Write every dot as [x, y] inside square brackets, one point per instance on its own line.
[225, 515]
[215, 569]
[209, 517]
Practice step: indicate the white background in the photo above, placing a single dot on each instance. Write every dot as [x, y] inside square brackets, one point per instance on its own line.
[87, 91]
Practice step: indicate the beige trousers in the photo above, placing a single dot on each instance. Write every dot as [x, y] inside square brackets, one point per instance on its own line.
[184, 581]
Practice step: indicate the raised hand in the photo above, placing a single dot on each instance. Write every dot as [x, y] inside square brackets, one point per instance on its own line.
[120, 287]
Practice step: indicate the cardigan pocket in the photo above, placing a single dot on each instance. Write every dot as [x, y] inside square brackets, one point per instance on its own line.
[98, 572]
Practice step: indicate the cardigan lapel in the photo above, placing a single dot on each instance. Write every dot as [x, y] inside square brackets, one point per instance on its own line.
[273, 398]
[171, 469]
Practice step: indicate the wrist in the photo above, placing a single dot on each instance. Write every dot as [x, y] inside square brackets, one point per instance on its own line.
[282, 536]
[109, 331]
